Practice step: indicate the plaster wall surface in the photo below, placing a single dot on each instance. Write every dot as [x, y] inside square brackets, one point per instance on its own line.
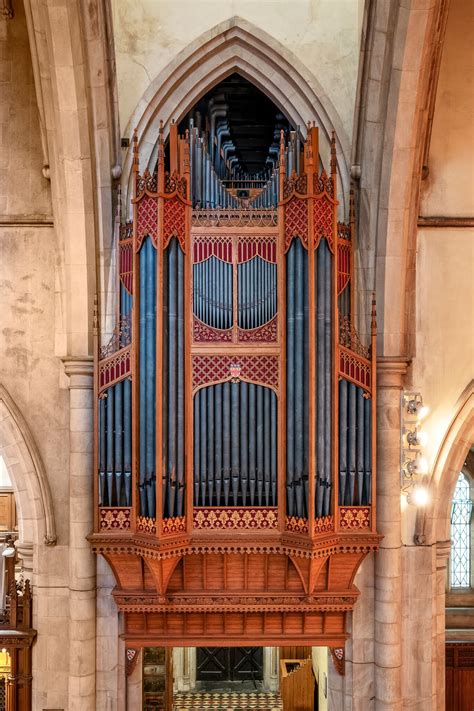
[444, 363]
[23, 190]
[448, 189]
[323, 34]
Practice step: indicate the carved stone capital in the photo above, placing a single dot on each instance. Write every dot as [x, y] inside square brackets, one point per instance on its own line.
[25, 553]
[80, 370]
[391, 371]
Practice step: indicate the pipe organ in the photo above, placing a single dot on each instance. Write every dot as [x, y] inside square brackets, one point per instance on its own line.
[235, 403]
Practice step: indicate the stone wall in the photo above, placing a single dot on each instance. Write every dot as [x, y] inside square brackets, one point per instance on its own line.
[323, 34]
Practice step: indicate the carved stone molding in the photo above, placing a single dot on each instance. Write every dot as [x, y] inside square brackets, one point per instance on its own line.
[391, 371]
[80, 370]
[36, 470]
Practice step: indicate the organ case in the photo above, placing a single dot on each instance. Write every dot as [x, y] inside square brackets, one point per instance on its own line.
[235, 417]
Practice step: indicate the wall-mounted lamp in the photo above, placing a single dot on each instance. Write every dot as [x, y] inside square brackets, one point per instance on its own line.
[413, 465]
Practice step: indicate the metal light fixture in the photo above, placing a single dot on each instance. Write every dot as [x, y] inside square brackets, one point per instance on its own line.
[413, 465]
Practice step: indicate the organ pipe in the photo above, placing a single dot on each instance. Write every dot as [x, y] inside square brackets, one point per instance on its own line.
[235, 445]
[173, 484]
[147, 379]
[323, 279]
[296, 379]
[354, 445]
[115, 432]
[234, 424]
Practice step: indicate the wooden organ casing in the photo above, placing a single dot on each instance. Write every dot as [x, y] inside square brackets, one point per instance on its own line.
[235, 413]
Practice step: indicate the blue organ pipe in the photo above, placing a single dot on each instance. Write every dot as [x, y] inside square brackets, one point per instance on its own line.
[150, 348]
[172, 400]
[351, 442]
[244, 441]
[252, 443]
[197, 454]
[165, 367]
[110, 444]
[180, 385]
[143, 381]
[367, 497]
[211, 437]
[235, 431]
[267, 423]
[324, 375]
[360, 447]
[305, 388]
[226, 440]
[118, 443]
[204, 442]
[274, 449]
[208, 181]
[290, 370]
[212, 293]
[102, 450]
[125, 302]
[260, 445]
[127, 440]
[327, 374]
[321, 382]
[218, 442]
[235, 459]
[299, 384]
[342, 441]
[199, 196]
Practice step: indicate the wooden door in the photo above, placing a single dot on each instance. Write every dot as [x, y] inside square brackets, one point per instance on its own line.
[224, 664]
[460, 676]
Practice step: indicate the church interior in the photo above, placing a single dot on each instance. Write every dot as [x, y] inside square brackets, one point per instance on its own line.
[237, 355]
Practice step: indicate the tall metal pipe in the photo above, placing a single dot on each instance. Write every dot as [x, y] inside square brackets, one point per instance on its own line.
[127, 440]
[342, 440]
[118, 442]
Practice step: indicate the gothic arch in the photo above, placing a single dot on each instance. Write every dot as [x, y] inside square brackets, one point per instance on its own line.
[28, 475]
[433, 524]
[233, 45]
[456, 444]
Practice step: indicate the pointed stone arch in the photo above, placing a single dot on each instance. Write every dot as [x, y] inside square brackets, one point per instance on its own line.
[449, 462]
[28, 475]
[235, 45]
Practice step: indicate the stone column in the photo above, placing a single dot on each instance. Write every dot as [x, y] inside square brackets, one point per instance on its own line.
[82, 569]
[134, 684]
[109, 651]
[388, 580]
[270, 668]
[443, 549]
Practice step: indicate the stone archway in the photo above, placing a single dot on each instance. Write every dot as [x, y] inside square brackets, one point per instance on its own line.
[433, 523]
[28, 475]
[233, 46]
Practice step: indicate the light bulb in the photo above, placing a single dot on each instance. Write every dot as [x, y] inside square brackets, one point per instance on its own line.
[419, 496]
[422, 438]
[421, 465]
[423, 412]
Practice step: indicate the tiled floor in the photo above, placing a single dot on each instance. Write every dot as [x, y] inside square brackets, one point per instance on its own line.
[221, 701]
